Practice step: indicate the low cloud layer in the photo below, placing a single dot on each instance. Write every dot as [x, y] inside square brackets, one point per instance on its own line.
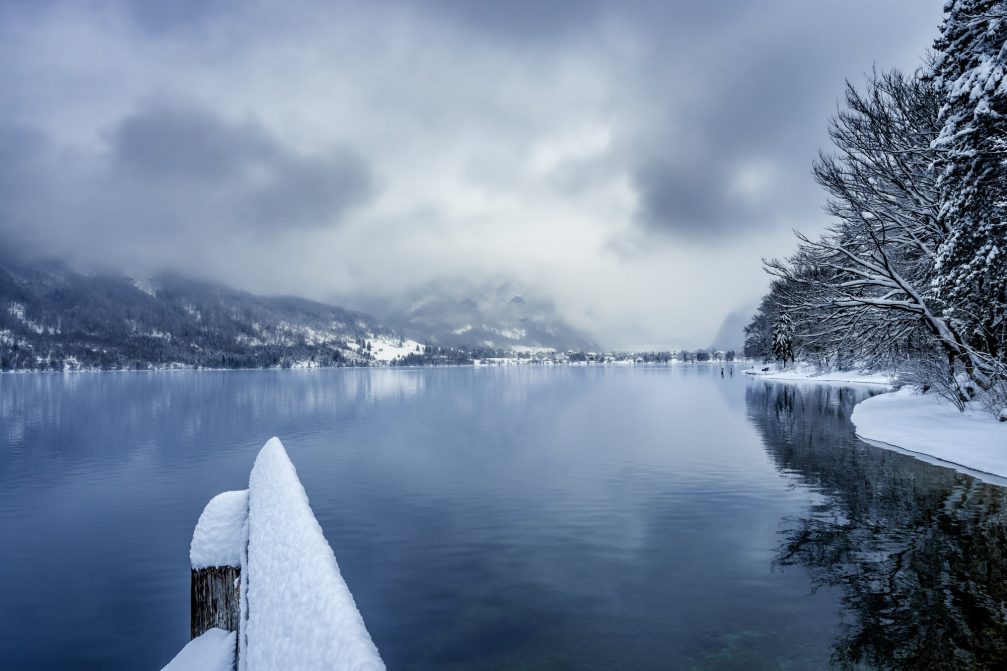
[632, 161]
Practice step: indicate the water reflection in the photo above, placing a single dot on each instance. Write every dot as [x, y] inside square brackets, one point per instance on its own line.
[917, 549]
[596, 518]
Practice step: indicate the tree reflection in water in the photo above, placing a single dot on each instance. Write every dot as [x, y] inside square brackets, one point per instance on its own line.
[917, 550]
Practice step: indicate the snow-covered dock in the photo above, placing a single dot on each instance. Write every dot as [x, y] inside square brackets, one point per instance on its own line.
[262, 567]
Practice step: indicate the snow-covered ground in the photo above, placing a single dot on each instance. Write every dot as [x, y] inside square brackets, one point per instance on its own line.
[923, 425]
[389, 349]
[927, 424]
[212, 651]
[803, 372]
[528, 349]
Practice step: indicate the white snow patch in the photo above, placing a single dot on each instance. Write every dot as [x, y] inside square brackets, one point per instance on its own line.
[927, 424]
[387, 349]
[807, 373]
[528, 349]
[300, 613]
[301, 364]
[219, 538]
[145, 286]
[211, 651]
[247, 340]
[512, 334]
[18, 312]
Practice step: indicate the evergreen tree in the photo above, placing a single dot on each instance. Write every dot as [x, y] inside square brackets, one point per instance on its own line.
[783, 339]
[970, 70]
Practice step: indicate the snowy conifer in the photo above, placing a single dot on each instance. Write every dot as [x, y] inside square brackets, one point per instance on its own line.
[783, 339]
[971, 72]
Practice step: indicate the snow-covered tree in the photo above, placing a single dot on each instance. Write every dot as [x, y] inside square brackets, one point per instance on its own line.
[783, 339]
[912, 271]
[861, 288]
[970, 71]
[759, 331]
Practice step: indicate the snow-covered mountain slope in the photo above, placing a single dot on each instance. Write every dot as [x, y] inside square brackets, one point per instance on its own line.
[54, 318]
[501, 315]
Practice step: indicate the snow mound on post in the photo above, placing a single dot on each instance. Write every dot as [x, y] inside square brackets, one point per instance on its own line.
[219, 537]
[300, 613]
[211, 651]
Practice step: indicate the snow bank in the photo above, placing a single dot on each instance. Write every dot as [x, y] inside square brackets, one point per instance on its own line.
[926, 424]
[212, 651]
[803, 372]
[219, 538]
[299, 612]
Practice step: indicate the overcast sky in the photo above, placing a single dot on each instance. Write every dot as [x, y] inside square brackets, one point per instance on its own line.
[631, 161]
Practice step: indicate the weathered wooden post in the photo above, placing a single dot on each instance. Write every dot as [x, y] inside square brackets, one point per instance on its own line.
[216, 601]
[216, 555]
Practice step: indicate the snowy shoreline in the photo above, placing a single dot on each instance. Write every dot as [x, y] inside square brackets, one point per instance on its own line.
[481, 364]
[923, 426]
[806, 373]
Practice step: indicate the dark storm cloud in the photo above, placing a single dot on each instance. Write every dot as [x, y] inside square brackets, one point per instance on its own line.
[521, 20]
[169, 141]
[151, 16]
[26, 194]
[689, 199]
[771, 76]
[170, 167]
[164, 17]
[235, 167]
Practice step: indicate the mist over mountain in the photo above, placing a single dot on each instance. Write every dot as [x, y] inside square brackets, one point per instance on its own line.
[55, 318]
[731, 334]
[500, 315]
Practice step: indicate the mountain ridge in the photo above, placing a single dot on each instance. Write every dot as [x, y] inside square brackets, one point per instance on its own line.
[56, 318]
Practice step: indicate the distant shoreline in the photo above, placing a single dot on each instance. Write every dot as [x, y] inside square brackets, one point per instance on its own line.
[384, 366]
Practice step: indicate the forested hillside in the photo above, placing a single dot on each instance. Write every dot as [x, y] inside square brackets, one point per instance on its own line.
[54, 319]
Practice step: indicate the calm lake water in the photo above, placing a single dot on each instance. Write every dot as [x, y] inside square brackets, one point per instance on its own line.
[522, 518]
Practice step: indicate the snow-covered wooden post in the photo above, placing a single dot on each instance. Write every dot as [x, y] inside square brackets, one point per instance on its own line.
[218, 546]
[267, 594]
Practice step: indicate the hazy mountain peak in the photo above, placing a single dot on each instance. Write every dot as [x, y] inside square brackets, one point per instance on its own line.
[501, 314]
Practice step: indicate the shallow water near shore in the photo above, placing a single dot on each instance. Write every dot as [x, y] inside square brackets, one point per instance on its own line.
[526, 518]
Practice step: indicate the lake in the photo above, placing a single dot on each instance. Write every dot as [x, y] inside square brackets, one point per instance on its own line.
[505, 518]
